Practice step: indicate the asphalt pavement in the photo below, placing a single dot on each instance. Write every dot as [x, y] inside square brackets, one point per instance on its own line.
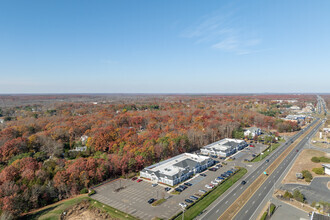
[316, 191]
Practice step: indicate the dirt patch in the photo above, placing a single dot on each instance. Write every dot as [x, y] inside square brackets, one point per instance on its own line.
[84, 211]
[303, 162]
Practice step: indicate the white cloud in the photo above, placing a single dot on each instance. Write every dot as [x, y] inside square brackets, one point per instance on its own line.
[223, 31]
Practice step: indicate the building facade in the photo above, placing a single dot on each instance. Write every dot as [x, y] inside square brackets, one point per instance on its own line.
[224, 147]
[177, 169]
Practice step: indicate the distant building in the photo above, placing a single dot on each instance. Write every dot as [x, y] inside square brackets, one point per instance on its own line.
[253, 131]
[84, 139]
[224, 147]
[326, 168]
[177, 169]
[295, 107]
[296, 118]
[326, 130]
[79, 149]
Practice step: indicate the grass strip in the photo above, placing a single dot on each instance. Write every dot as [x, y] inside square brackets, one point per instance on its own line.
[195, 209]
[158, 202]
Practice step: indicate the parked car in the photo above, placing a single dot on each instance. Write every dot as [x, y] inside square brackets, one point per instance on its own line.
[214, 182]
[220, 178]
[202, 191]
[251, 145]
[183, 187]
[167, 189]
[253, 155]
[134, 178]
[213, 156]
[211, 185]
[183, 205]
[203, 174]
[188, 200]
[222, 158]
[208, 186]
[243, 182]
[197, 195]
[139, 180]
[213, 169]
[193, 197]
[154, 185]
[188, 184]
[151, 200]
[178, 189]
[267, 160]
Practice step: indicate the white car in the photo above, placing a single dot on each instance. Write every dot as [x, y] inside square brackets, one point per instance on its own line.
[183, 205]
[202, 191]
[214, 183]
[218, 181]
[208, 186]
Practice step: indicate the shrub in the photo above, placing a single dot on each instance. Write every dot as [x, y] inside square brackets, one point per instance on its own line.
[297, 195]
[307, 175]
[288, 195]
[83, 191]
[92, 192]
[315, 160]
[264, 216]
[272, 209]
[318, 171]
[320, 159]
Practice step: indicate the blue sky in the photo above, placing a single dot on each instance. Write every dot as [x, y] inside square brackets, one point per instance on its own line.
[171, 46]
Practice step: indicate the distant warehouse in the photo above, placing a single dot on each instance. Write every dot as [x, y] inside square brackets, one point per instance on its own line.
[224, 147]
[177, 169]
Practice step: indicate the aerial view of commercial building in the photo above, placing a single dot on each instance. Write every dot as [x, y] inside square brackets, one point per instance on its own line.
[177, 169]
[224, 147]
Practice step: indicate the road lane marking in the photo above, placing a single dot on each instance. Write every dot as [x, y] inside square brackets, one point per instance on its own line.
[226, 202]
[217, 211]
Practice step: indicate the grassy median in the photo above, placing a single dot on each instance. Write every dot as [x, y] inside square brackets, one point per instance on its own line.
[211, 196]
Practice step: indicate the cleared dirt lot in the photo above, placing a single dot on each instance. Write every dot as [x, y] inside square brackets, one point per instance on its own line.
[303, 162]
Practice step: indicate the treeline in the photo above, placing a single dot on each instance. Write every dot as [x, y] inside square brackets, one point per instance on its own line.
[38, 165]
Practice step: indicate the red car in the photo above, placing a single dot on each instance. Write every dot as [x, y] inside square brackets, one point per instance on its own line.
[139, 180]
[134, 178]
[251, 145]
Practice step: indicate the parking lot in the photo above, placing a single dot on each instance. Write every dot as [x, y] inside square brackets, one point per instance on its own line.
[248, 152]
[133, 196]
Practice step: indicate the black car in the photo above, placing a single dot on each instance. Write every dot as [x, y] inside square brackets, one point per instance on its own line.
[167, 189]
[267, 160]
[243, 182]
[188, 184]
[202, 174]
[183, 187]
[178, 190]
[151, 200]
[188, 200]
[213, 169]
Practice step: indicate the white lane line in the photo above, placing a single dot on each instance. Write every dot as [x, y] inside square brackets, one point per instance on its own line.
[234, 194]
[217, 211]
[246, 211]
[253, 202]
[226, 202]
[259, 194]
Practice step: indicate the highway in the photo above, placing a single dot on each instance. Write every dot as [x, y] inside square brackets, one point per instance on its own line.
[253, 203]
[257, 198]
